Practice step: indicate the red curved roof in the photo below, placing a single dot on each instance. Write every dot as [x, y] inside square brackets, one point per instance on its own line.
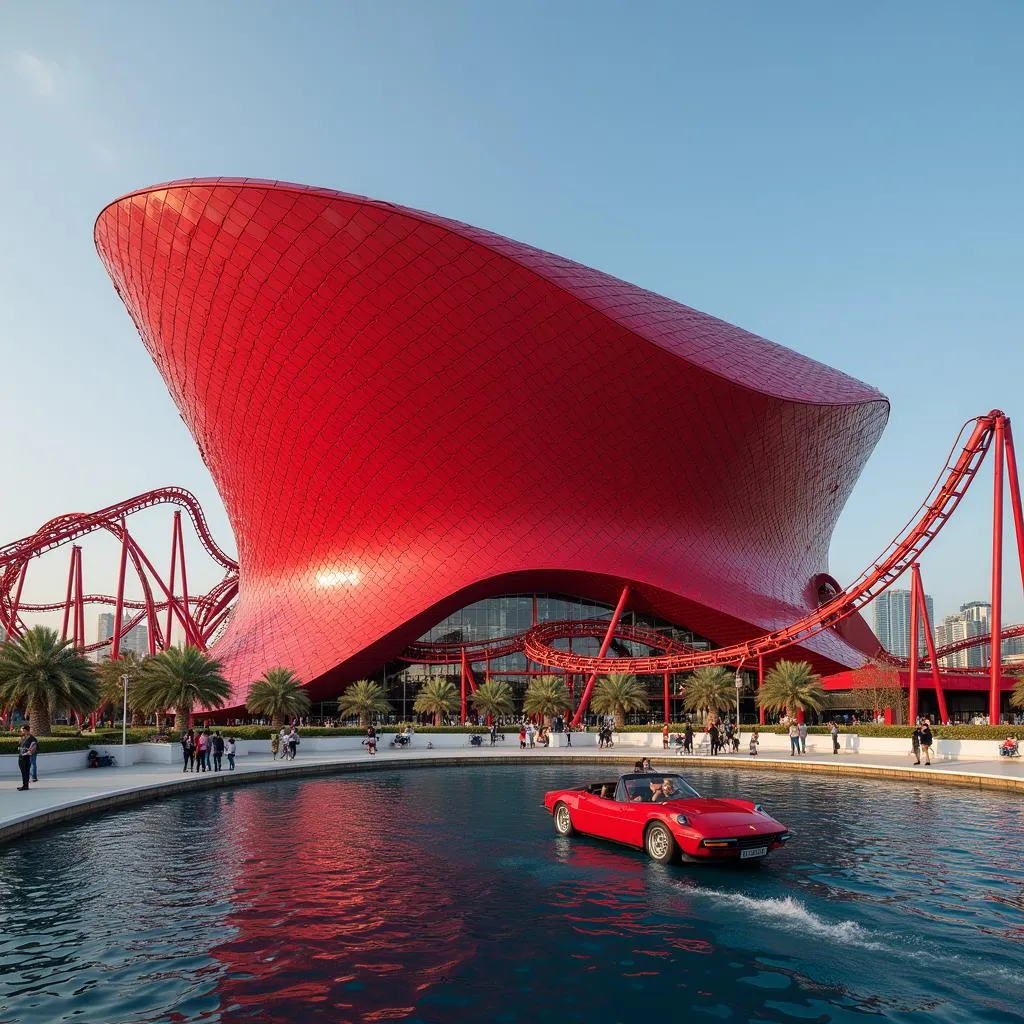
[403, 413]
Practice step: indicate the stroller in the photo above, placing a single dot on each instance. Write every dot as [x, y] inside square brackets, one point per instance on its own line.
[1011, 748]
[476, 740]
[400, 740]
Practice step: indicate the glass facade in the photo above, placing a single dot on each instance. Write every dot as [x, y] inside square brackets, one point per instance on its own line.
[510, 614]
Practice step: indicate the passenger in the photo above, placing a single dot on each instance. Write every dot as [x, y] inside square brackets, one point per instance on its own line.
[606, 792]
[665, 790]
[645, 764]
[638, 767]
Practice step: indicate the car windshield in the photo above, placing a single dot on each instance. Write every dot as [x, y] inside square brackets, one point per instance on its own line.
[655, 788]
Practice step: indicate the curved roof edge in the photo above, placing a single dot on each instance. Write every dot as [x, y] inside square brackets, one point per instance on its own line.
[836, 387]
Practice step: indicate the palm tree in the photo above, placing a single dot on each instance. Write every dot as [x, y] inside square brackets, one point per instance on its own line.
[365, 699]
[42, 673]
[616, 694]
[711, 688]
[180, 678]
[437, 697]
[546, 696]
[791, 686]
[493, 699]
[1017, 696]
[278, 694]
[112, 688]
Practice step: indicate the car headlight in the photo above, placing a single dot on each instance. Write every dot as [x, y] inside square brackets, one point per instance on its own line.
[682, 819]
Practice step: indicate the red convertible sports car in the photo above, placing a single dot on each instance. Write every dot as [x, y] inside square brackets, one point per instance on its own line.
[668, 818]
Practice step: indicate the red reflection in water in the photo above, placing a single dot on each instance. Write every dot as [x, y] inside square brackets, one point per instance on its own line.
[334, 909]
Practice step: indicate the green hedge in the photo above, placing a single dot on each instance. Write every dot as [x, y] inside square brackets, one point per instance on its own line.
[47, 744]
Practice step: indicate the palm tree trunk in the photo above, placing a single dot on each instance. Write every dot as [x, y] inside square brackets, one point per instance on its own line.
[181, 719]
[620, 719]
[363, 722]
[39, 717]
[137, 721]
[159, 722]
[277, 720]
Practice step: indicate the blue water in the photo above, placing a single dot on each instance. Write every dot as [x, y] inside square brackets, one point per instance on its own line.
[444, 895]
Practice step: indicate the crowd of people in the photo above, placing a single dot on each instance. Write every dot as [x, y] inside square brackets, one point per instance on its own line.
[204, 751]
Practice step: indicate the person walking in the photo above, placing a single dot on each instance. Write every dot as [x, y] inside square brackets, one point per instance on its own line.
[802, 729]
[926, 741]
[229, 746]
[688, 739]
[201, 742]
[755, 739]
[293, 743]
[217, 744]
[188, 750]
[835, 736]
[713, 737]
[915, 743]
[664, 736]
[794, 739]
[522, 737]
[275, 744]
[283, 742]
[531, 735]
[493, 733]
[371, 740]
[28, 746]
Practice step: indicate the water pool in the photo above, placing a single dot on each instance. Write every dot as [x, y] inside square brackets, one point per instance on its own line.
[444, 895]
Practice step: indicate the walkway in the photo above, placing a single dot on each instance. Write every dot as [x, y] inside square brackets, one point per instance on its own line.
[73, 794]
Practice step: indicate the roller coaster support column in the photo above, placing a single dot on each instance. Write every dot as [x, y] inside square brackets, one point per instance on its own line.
[115, 643]
[1015, 503]
[12, 627]
[929, 640]
[915, 582]
[70, 594]
[668, 714]
[171, 580]
[760, 683]
[995, 657]
[605, 644]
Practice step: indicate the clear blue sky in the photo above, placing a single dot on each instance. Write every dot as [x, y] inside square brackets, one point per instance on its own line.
[843, 179]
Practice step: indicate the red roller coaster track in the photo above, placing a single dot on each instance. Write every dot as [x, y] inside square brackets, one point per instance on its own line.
[200, 616]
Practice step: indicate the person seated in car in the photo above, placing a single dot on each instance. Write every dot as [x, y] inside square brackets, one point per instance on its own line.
[606, 792]
[645, 764]
[662, 791]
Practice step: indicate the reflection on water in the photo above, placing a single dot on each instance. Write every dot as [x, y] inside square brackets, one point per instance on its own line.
[432, 895]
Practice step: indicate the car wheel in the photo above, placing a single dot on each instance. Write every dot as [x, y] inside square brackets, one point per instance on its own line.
[563, 821]
[660, 844]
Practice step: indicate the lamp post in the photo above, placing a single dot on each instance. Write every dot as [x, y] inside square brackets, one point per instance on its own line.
[739, 687]
[124, 724]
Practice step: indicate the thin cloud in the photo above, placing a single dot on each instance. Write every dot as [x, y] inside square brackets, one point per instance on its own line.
[43, 77]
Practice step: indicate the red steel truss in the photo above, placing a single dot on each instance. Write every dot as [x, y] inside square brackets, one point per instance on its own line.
[199, 616]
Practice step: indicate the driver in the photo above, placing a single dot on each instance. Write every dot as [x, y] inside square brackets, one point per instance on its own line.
[665, 790]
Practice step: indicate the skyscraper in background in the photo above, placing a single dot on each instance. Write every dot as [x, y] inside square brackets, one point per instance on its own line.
[892, 622]
[136, 640]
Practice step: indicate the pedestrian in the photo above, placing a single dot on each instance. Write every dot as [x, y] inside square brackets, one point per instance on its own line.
[522, 737]
[754, 741]
[293, 743]
[688, 739]
[28, 746]
[915, 744]
[664, 736]
[32, 765]
[188, 750]
[794, 739]
[530, 735]
[275, 744]
[371, 740]
[283, 742]
[568, 735]
[229, 746]
[802, 729]
[217, 745]
[713, 737]
[201, 744]
[835, 737]
[926, 741]
[493, 731]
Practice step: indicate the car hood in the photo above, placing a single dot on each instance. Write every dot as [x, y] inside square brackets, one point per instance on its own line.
[724, 818]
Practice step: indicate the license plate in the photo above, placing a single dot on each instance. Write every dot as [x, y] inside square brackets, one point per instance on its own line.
[757, 851]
